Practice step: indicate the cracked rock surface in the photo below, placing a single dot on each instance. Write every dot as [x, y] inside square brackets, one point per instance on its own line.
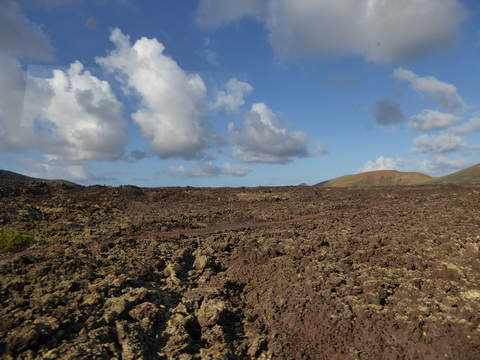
[116, 273]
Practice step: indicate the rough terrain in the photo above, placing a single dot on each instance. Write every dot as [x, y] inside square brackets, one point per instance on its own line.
[247, 273]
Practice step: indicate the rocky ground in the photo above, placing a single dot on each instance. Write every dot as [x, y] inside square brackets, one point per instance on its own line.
[247, 273]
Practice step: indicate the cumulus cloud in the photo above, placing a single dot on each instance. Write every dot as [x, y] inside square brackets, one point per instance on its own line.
[438, 144]
[429, 120]
[14, 136]
[20, 37]
[385, 163]
[214, 13]
[232, 98]
[56, 168]
[228, 169]
[378, 30]
[434, 165]
[70, 117]
[73, 114]
[263, 140]
[471, 126]
[440, 164]
[443, 94]
[387, 112]
[82, 118]
[172, 114]
[207, 169]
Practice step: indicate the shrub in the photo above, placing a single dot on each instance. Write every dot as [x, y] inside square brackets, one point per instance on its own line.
[12, 241]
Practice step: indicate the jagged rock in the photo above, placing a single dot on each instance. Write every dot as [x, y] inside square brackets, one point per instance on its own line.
[145, 313]
[211, 312]
[128, 338]
[201, 262]
[22, 338]
[115, 308]
[179, 340]
[256, 348]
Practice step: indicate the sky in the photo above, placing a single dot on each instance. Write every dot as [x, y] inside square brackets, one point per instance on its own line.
[215, 93]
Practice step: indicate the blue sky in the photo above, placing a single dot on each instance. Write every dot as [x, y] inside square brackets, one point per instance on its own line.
[230, 93]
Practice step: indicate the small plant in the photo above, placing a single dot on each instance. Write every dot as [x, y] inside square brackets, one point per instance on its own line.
[13, 241]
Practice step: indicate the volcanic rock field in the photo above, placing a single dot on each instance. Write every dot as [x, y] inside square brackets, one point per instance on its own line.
[241, 273]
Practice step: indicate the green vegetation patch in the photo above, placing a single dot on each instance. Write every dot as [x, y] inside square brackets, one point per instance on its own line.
[13, 241]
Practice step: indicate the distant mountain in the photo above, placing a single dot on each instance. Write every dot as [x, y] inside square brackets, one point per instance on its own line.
[10, 176]
[470, 175]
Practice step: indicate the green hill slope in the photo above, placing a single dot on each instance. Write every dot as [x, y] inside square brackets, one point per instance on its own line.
[470, 175]
[10, 176]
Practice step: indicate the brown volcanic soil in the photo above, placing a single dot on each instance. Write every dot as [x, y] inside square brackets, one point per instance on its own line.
[251, 273]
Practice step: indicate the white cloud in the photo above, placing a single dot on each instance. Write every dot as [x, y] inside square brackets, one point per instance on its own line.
[214, 13]
[472, 149]
[79, 117]
[387, 112]
[385, 163]
[471, 126]
[20, 37]
[263, 140]
[445, 95]
[320, 148]
[55, 168]
[434, 165]
[232, 98]
[379, 30]
[172, 114]
[207, 169]
[429, 120]
[73, 114]
[440, 164]
[70, 117]
[228, 169]
[437, 144]
[181, 170]
[209, 53]
[14, 135]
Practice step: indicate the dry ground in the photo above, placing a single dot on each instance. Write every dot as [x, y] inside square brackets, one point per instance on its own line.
[248, 273]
